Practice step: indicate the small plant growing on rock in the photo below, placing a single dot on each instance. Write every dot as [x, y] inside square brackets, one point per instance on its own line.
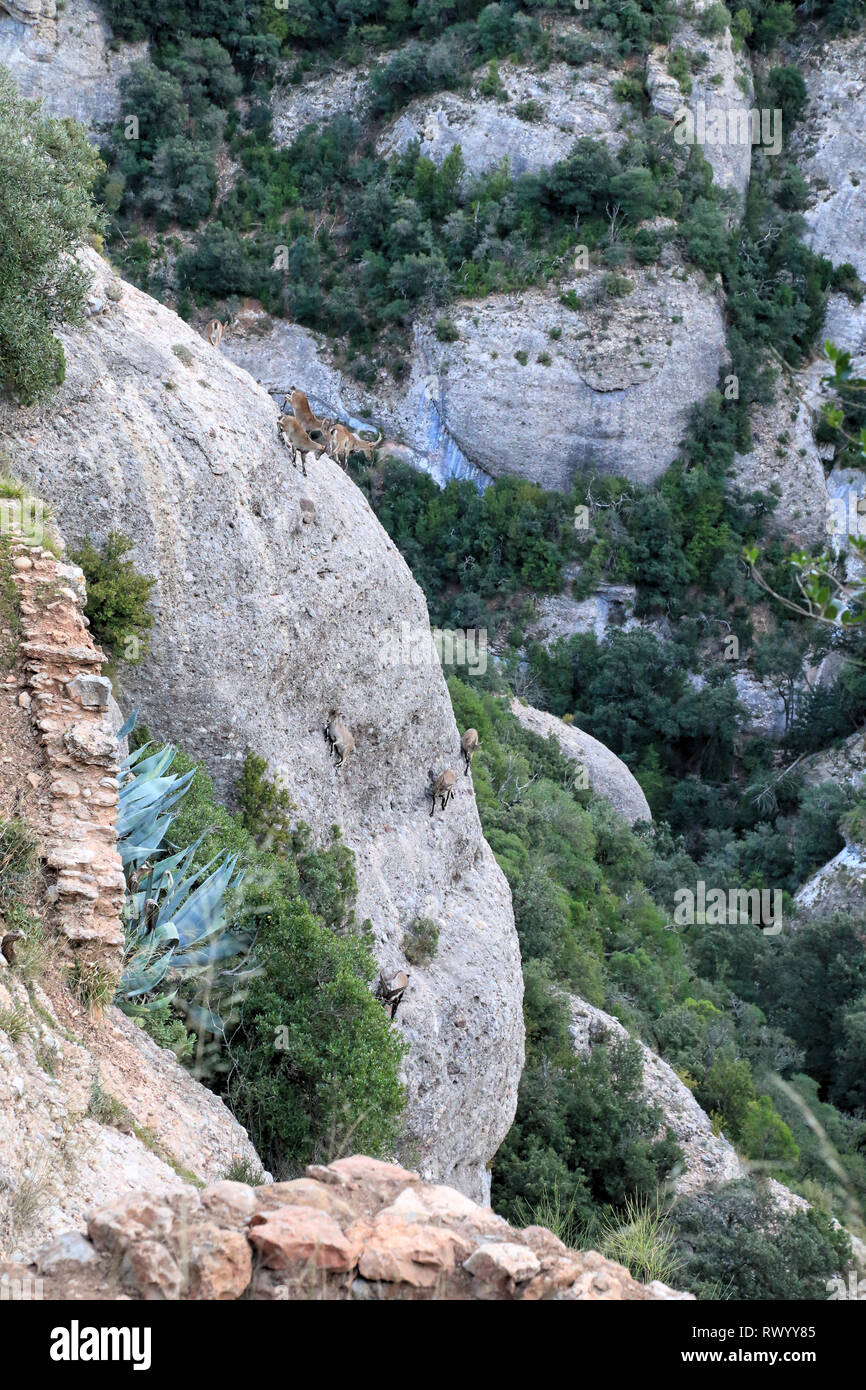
[104, 1108]
[446, 331]
[17, 860]
[266, 807]
[420, 941]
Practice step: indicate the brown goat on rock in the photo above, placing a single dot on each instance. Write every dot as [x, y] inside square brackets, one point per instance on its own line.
[339, 737]
[443, 788]
[469, 745]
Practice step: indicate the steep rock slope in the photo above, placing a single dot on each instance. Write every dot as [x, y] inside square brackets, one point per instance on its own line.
[614, 390]
[723, 87]
[268, 617]
[607, 775]
[568, 104]
[62, 54]
[707, 1157]
[828, 146]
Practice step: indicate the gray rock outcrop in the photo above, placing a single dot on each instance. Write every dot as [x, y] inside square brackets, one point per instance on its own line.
[722, 87]
[613, 390]
[608, 776]
[65, 58]
[264, 623]
[567, 105]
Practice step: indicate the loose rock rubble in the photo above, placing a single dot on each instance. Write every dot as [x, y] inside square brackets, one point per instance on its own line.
[356, 1229]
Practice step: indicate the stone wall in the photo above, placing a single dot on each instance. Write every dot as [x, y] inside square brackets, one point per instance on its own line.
[68, 703]
[358, 1229]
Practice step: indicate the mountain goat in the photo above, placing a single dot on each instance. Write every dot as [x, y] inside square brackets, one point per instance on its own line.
[443, 788]
[304, 415]
[294, 434]
[344, 443]
[390, 992]
[468, 745]
[339, 737]
[214, 332]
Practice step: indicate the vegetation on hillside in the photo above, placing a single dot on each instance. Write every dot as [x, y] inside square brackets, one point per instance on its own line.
[47, 169]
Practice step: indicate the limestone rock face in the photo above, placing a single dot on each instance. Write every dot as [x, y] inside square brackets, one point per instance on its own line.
[561, 615]
[568, 104]
[265, 624]
[785, 462]
[722, 87]
[296, 105]
[838, 886]
[608, 776]
[358, 1229]
[614, 390]
[828, 144]
[65, 60]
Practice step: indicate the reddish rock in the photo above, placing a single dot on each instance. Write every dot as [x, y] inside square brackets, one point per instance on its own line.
[407, 1253]
[152, 1271]
[220, 1264]
[116, 1227]
[304, 1192]
[502, 1263]
[300, 1235]
[233, 1200]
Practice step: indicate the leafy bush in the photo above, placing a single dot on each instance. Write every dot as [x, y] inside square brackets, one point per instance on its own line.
[420, 941]
[47, 169]
[315, 1060]
[118, 597]
[733, 1243]
[305, 1055]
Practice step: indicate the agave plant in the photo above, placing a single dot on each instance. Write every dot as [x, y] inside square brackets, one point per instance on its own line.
[174, 915]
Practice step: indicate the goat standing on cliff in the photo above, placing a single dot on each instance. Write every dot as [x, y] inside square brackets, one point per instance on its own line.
[443, 788]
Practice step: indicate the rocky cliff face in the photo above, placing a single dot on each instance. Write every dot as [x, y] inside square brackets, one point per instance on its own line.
[63, 55]
[722, 86]
[567, 104]
[268, 616]
[357, 1229]
[606, 774]
[613, 390]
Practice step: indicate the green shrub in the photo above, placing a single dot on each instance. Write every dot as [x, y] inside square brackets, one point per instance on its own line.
[17, 861]
[308, 1059]
[47, 168]
[446, 331]
[118, 597]
[733, 1243]
[316, 1062]
[420, 941]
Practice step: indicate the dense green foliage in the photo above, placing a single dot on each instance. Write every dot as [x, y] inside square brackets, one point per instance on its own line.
[118, 597]
[47, 169]
[290, 1032]
[734, 1245]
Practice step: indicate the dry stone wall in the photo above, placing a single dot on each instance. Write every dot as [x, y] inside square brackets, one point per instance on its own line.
[68, 700]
